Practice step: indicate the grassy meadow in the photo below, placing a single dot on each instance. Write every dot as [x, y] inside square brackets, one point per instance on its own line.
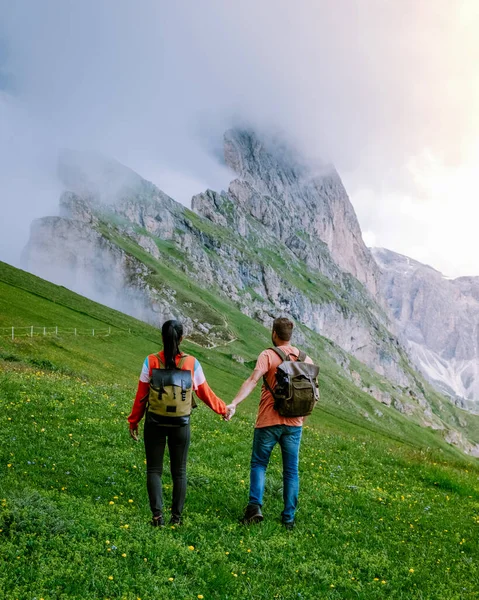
[387, 509]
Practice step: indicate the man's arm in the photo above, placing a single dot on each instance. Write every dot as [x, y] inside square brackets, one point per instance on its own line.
[245, 390]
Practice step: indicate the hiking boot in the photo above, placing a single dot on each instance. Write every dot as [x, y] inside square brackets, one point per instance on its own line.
[289, 525]
[175, 520]
[157, 521]
[252, 514]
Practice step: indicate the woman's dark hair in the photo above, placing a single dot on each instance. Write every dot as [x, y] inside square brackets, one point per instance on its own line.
[172, 332]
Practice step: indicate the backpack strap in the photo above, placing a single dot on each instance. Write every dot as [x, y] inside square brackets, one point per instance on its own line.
[283, 356]
[161, 364]
[155, 362]
[270, 389]
[187, 363]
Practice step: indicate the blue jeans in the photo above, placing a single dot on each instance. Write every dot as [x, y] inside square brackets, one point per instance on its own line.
[265, 439]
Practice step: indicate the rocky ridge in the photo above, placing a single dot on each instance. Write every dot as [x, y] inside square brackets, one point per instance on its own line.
[439, 318]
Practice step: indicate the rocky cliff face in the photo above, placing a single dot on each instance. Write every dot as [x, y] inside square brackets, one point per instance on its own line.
[439, 318]
[294, 199]
[283, 239]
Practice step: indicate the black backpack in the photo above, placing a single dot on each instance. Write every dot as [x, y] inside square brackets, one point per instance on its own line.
[297, 390]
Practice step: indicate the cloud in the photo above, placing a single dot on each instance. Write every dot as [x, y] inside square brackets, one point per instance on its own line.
[437, 225]
[369, 85]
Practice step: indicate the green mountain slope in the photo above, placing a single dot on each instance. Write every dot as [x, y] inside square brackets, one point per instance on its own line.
[27, 301]
[388, 509]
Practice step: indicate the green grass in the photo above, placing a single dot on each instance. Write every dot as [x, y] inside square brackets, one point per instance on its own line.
[382, 500]
[370, 509]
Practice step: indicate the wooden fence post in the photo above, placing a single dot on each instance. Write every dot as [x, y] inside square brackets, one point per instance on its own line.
[13, 333]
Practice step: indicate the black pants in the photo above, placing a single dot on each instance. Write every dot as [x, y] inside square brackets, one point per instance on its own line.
[178, 439]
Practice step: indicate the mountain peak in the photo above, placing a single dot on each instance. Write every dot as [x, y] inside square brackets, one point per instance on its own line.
[294, 196]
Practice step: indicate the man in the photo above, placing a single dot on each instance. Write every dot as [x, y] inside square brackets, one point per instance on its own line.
[271, 428]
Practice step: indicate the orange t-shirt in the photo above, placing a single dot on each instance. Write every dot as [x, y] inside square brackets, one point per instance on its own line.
[268, 361]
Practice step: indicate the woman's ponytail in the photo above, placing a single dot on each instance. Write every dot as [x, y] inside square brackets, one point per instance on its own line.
[172, 332]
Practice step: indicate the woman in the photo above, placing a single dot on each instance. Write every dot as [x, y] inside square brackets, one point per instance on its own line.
[165, 393]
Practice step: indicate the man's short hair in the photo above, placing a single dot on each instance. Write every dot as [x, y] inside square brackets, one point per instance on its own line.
[283, 327]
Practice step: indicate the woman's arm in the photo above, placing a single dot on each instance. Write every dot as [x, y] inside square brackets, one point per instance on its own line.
[205, 393]
[139, 405]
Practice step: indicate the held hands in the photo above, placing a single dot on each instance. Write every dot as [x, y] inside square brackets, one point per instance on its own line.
[230, 411]
[134, 433]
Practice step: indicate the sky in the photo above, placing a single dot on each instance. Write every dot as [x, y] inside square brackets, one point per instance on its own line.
[387, 91]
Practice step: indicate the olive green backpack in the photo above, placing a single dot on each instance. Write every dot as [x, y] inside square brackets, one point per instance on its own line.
[171, 390]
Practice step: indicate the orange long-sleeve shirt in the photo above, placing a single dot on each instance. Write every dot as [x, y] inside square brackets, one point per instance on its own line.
[200, 387]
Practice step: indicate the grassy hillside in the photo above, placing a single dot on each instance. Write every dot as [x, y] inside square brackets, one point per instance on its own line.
[387, 509]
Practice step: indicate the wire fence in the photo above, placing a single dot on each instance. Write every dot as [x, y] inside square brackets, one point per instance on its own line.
[35, 331]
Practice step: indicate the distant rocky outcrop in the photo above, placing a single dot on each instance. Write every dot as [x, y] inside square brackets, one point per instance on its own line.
[69, 251]
[439, 318]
